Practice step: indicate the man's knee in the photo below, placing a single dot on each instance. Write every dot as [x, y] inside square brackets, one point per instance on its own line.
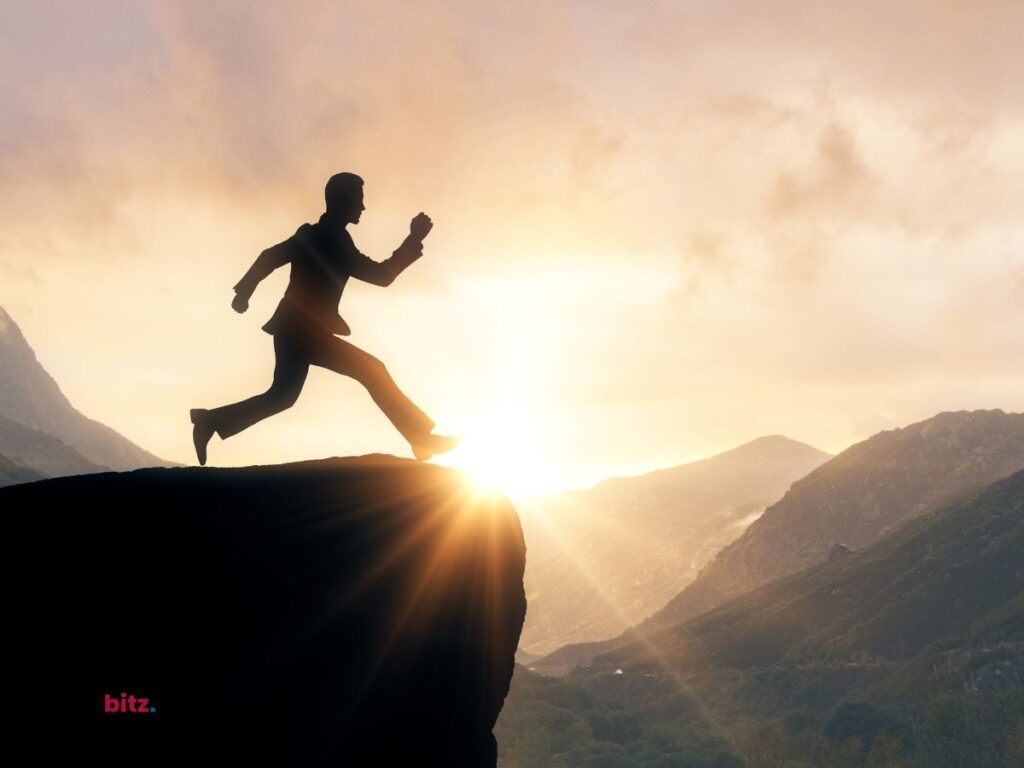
[368, 368]
[349, 360]
[376, 366]
[282, 395]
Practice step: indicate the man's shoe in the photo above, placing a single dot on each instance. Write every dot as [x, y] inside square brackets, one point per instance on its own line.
[431, 444]
[201, 432]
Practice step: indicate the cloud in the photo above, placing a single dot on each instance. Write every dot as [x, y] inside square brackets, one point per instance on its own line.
[838, 180]
[20, 271]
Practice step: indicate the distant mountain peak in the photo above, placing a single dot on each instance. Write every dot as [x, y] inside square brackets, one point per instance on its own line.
[30, 396]
[958, 420]
[870, 489]
[773, 438]
[951, 420]
[858, 497]
[773, 442]
[943, 431]
[676, 519]
[11, 335]
[965, 414]
[778, 446]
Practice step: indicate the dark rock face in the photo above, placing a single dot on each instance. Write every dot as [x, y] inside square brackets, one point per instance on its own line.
[344, 612]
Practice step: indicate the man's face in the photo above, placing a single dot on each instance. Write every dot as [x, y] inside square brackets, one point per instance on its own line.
[357, 207]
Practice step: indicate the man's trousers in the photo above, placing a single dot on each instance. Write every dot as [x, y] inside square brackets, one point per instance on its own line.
[294, 354]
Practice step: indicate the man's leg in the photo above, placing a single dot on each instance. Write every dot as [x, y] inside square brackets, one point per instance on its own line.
[342, 357]
[416, 427]
[290, 369]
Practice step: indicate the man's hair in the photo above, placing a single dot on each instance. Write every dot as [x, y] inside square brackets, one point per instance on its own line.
[341, 190]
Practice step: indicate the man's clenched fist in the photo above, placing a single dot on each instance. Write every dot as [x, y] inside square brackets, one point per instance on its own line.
[420, 226]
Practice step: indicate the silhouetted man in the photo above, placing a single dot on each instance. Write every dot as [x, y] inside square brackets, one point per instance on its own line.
[323, 257]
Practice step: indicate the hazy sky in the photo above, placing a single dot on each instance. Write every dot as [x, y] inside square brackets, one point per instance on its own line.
[661, 228]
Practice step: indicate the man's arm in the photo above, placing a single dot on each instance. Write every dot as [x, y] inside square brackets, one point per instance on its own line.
[269, 260]
[384, 273]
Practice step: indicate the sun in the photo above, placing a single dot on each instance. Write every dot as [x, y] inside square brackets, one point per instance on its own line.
[508, 420]
[504, 452]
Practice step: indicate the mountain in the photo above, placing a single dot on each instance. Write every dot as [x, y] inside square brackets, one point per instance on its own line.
[43, 453]
[30, 397]
[855, 499]
[359, 612]
[11, 473]
[946, 574]
[935, 609]
[605, 558]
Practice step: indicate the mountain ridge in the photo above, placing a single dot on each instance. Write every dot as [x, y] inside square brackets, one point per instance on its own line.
[934, 607]
[604, 557]
[30, 396]
[856, 498]
[11, 472]
[910, 649]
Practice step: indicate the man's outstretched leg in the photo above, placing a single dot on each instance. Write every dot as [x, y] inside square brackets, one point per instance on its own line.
[290, 369]
[342, 357]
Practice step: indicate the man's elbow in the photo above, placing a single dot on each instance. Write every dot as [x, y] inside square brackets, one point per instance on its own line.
[271, 258]
[385, 278]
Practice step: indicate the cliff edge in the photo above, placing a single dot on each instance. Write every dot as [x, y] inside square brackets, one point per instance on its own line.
[358, 612]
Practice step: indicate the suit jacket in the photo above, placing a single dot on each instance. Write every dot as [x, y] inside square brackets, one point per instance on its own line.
[323, 258]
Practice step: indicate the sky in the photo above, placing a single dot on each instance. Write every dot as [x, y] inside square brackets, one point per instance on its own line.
[661, 229]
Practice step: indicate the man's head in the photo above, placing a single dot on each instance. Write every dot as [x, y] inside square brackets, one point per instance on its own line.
[344, 197]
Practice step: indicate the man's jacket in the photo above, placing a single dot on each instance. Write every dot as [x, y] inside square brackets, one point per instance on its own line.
[323, 258]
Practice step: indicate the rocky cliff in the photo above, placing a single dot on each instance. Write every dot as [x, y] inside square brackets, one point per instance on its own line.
[344, 612]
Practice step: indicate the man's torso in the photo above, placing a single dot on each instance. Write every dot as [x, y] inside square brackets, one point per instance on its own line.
[319, 273]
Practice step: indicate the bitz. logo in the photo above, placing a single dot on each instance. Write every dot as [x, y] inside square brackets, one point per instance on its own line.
[127, 704]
